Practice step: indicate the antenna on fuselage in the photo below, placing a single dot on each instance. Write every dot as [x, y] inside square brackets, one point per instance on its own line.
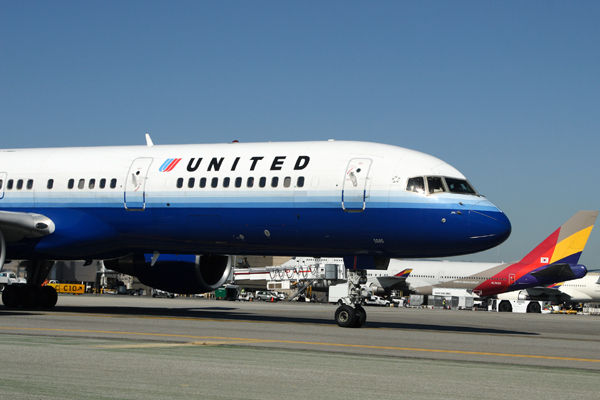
[149, 141]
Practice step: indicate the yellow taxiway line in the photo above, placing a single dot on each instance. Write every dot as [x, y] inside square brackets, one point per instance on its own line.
[218, 340]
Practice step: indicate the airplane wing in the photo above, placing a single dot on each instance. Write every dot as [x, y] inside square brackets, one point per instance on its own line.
[15, 226]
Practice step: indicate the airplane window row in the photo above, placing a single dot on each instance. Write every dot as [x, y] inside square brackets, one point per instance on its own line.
[439, 184]
[20, 184]
[90, 185]
[10, 184]
[473, 277]
[226, 182]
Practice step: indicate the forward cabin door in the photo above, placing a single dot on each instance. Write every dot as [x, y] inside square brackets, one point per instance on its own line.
[135, 184]
[2, 184]
[355, 189]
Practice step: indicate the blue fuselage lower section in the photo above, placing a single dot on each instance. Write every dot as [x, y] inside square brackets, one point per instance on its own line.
[109, 232]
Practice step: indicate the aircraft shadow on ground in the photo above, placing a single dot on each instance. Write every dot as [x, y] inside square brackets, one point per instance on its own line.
[237, 314]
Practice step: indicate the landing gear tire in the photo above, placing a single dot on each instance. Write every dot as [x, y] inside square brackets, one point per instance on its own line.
[505, 306]
[345, 316]
[11, 296]
[361, 317]
[534, 307]
[31, 297]
[49, 297]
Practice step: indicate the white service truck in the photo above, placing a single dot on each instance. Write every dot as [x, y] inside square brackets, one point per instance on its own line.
[337, 292]
[9, 278]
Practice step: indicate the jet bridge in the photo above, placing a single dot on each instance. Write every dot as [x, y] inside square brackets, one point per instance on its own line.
[296, 275]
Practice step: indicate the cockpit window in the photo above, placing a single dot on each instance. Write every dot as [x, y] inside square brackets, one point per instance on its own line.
[435, 184]
[459, 186]
[416, 185]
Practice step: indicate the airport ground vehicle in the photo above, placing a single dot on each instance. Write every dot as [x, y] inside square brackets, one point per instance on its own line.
[377, 301]
[162, 293]
[519, 306]
[7, 278]
[266, 296]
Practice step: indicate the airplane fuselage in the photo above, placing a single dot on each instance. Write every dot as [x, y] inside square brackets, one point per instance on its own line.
[304, 198]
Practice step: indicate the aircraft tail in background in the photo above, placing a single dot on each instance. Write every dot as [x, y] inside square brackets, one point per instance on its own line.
[566, 243]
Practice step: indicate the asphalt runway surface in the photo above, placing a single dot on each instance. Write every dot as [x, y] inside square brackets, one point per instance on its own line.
[110, 346]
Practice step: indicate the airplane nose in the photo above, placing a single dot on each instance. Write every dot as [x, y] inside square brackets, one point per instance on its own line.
[488, 224]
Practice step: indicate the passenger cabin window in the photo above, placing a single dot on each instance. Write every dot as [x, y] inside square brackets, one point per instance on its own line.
[262, 182]
[274, 182]
[300, 182]
[92, 184]
[9, 184]
[202, 182]
[238, 182]
[50, 184]
[250, 182]
[20, 184]
[416, 185]
[226, 182]
[287, 181]
[102, 183]
[30, 184]
[71, 183]
[179, 183]
[191, 182]
[214, 182]
[460, 186]
[1, 182]
[113, 183]
[435, 184]
[81, 184]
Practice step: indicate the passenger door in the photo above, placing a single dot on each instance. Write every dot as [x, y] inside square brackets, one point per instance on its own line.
[355, 189]
[135, 184]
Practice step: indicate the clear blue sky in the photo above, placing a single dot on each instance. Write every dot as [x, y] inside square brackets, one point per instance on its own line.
[508, 92]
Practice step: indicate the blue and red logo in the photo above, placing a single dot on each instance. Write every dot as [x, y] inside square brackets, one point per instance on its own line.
[169, 164]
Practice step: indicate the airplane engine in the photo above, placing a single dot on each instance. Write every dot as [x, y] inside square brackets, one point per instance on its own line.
[183, 274]
[378, 290]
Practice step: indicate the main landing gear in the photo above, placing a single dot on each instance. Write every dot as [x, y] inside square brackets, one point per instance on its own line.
[32, 294]
[351, 314]
[29, 296]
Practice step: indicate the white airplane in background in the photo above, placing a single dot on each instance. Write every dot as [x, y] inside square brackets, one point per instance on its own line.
[582, 290]
[173, 215]
[552, 261]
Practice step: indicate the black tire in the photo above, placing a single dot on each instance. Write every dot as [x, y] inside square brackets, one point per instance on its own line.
[31, 296]
[505, 306]
[345, 316]
[534, 307]
[361, 317]
[49, 297]
[11, 296]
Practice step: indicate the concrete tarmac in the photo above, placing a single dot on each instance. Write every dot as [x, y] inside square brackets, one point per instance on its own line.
[138, 347]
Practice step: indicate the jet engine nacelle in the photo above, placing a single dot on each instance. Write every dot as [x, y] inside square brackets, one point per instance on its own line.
[378, 290]
[184, 274]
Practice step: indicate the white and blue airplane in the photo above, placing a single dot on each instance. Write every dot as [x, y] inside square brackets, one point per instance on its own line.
[173, 215]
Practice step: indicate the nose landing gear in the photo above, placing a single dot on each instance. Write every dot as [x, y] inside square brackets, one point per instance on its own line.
[351, 314]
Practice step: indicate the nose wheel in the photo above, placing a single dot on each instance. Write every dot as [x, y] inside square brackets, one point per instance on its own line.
[351, 314]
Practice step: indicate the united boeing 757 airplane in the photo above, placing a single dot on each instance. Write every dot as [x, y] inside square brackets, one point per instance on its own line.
[554, 260]
[173, 215]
